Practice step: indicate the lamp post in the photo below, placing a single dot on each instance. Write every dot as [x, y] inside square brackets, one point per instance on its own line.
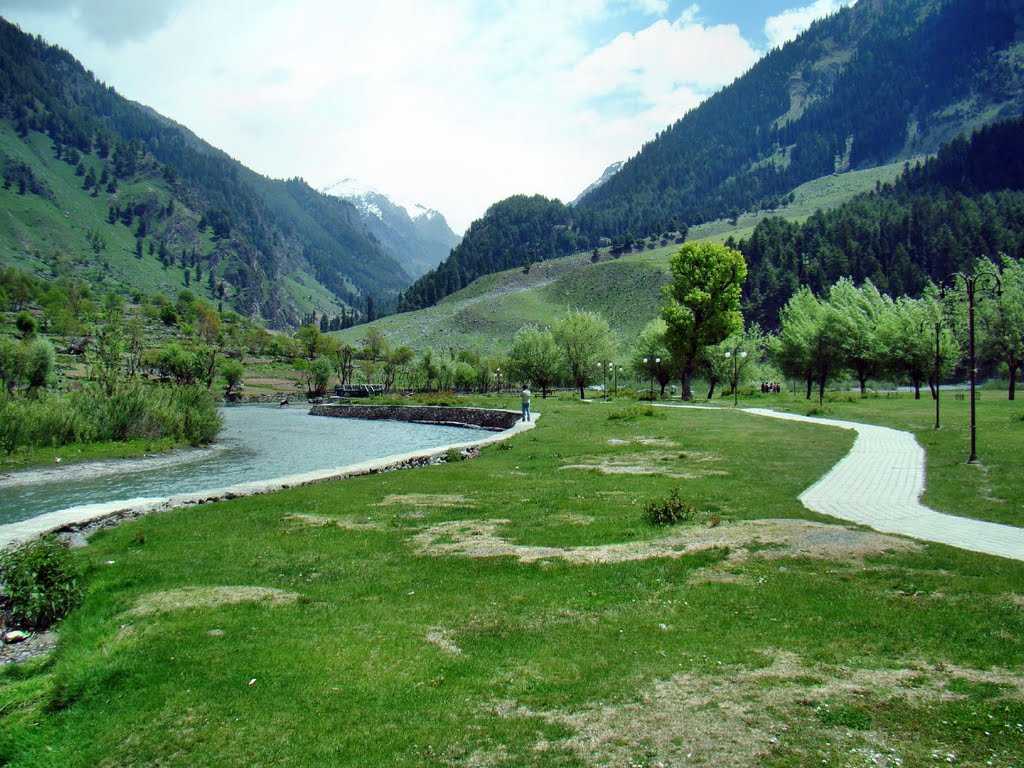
[497, 376]
[618, 372]
[938, 371]
[741, 354]
[972, 282]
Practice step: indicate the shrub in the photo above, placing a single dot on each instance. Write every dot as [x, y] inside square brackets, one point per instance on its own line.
[41, 582]
[669, 511]
[26, 324]
[454, 455]
[185, 413]
[232, 371]
[632, 412]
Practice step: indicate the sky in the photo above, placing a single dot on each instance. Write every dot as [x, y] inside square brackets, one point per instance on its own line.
[454, 105]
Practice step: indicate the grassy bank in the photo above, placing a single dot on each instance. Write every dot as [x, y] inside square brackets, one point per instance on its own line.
[76, 452]
[398, 636]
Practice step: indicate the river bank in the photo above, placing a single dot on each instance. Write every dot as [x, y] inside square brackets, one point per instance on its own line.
[264, 450]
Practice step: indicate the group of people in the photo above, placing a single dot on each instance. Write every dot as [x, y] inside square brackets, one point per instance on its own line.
[770, 387]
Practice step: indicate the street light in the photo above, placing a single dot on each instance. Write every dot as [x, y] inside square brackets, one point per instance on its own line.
[497, 375]
[741, 355]
[972, 282]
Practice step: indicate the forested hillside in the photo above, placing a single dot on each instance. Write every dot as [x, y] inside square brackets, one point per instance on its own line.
[965, 203]
[877, 82]
[514, 232]
[273, 249]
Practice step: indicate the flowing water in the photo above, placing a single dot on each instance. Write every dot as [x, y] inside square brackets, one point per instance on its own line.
[257, 443]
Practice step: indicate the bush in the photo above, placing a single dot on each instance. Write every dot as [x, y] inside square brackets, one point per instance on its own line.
[41, 583]
[669, 511]
[186, 413]
[26, 324]
[632, 412]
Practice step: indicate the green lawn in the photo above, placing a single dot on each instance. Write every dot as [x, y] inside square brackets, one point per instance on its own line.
[394, 653]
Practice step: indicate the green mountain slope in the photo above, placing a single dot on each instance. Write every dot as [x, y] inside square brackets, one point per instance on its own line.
[260, 236]
[627, 291]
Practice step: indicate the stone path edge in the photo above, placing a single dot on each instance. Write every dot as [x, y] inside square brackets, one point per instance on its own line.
[75, 518]
[879, 484]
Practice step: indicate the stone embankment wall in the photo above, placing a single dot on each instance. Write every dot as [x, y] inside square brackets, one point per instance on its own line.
[423, 414]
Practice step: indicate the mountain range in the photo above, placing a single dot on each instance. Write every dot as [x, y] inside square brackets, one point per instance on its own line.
[109, 190]
[129, 200]
[416, 236]
[876, 82]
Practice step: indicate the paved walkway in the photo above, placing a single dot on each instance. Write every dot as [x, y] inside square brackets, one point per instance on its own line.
[879, 484]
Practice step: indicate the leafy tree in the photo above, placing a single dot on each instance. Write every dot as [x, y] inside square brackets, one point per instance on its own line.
[652, 359]
[106, 354]
[315, 375]
[861, 312]
[906, 334]
[396, 361]
[732, 359]
[342, 356]
[1002, 320]
[309, 337]
[585, 340]
[429, 368]
[10, 364]
[232, 371]
[702, 303]
[535, 358]
[36, 363]
[809, 345]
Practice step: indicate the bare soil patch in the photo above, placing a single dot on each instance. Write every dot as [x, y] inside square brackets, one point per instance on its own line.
[681, 465]
[782, 538]
[322, 521]
[208, 597]
[738, 718]
[427, 500]
[651, 442]
[441, 637]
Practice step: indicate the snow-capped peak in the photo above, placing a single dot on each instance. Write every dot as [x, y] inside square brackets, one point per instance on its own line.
[349, 188]
[369, 198]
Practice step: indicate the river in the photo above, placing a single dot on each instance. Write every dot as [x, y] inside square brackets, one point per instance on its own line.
[257, 443]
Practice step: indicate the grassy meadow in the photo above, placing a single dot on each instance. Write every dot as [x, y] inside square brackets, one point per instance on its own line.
[517, 609]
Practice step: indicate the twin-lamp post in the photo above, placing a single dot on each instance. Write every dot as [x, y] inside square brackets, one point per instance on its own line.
[740, 355]
[650, 370]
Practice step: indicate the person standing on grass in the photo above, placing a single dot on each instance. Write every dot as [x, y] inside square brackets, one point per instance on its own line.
[526, 403]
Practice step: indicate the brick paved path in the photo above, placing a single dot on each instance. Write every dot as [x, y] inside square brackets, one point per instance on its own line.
[879, 484]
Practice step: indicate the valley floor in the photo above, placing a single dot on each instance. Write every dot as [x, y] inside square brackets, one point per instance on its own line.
[516, 609]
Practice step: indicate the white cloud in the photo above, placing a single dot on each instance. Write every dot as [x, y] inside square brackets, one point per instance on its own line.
[455, 105]
[789, 24]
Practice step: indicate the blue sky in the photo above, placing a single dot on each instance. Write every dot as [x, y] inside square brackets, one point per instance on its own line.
[452, 104]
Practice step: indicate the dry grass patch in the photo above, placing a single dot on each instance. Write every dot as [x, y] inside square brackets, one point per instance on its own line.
[680, 465]
[571, 518]
[650, 442]
[441, 637]
[427, 500]
[783, 538]
[188, 598]
[739, 718]
[322, 521]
